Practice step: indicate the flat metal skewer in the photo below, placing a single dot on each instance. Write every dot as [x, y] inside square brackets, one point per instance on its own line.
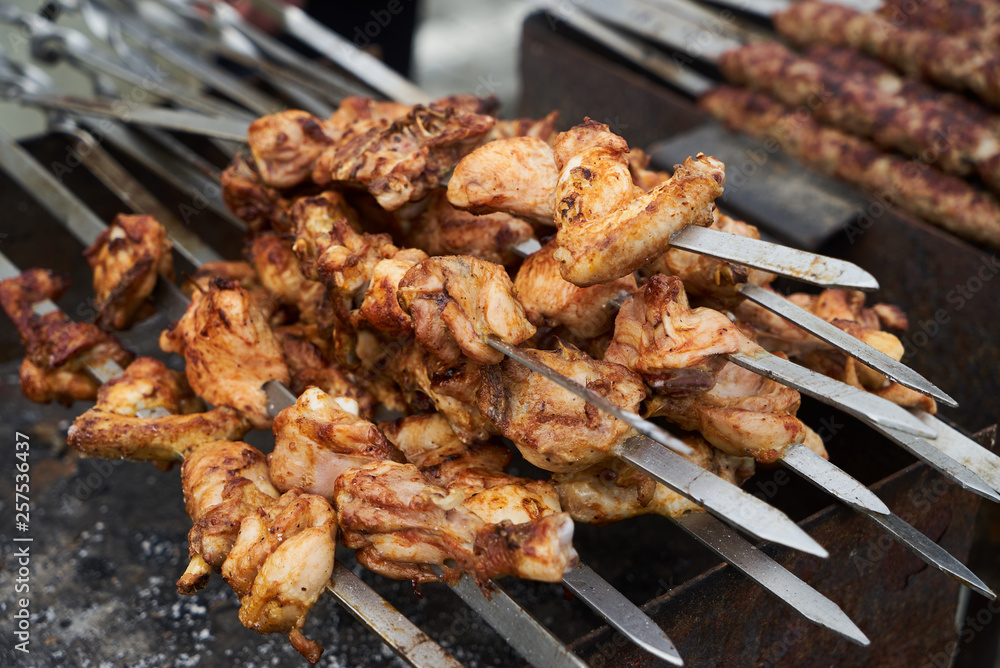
[963, 449]
[363, 65]
[770, 575]
[835, 336]
[684, 477]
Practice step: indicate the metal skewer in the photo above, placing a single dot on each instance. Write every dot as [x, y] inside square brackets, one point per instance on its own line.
[770, 575]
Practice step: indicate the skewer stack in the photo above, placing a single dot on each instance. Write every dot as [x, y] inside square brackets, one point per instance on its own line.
[424, 293]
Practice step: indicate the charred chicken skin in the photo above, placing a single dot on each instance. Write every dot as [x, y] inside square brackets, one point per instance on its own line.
[127, 258]
[58, 350]
[673, 347]
[456, 302]
[229, 349]
[553, 428]
[114, 428]
[249, 198]
[608, 227]
[405, 160]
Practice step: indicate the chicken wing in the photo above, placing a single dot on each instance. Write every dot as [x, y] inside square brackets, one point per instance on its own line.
[229, 349]
[286, 145]
[58, 350]
[549, 300]
[320, 437]
[608, 227]
[456, 302]
[223, 481]
[127, 258]
[554, 428]
[318, 222]
[441, 229]
[281, 562]
[673, 347]
[516, 176]
[113, 428]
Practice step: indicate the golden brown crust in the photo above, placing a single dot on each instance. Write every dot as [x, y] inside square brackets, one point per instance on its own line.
[127, 258]
[608, 227]
[405, 160]
[58, 350]
[456, 302]
[553, 428]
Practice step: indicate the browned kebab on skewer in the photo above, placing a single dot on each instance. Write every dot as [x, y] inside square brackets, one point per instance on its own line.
[947, 201]
[443, 290]
[868, 100]
[969, 61]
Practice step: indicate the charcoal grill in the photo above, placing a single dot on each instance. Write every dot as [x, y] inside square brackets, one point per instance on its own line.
[111, 537]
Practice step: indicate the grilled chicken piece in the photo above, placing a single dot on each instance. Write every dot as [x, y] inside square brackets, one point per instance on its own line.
[276, 553]
[223, 482]
[113, 428]
[642, 176]
[608, 227]
[456, 302]
[380, 307]
[281, 562]
[127, 257]
[319, 222]
[357, 112]
[286, 145]
[451, 389]
[538, 128]
[673, 347]
[742, 414]
[401, 524]
[319, 438]
[229, 349]
[58, 350]
[311, 361]
[549, 300]
[476, 470]
[612, 491]
[553, 428]
[441, 229]
[711, 281]
[238, 272]
[404, 161]
[846, 310]
[277, 268]
[516, 176]
[249, 198]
